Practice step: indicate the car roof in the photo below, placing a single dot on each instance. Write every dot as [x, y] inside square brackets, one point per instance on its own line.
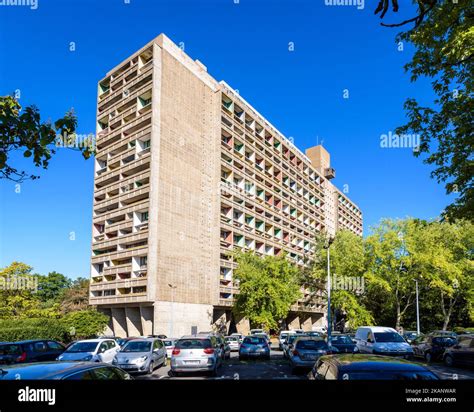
[46, 370]
[198, 336]
[361, 362]
[378, 328]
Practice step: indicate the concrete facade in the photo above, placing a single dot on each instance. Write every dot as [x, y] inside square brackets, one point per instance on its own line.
[186, 173]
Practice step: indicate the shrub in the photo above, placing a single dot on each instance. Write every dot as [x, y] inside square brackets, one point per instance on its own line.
[12, 330]
[85, 323]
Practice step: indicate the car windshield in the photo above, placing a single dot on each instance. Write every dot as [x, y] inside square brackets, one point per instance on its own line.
[193, 344]
[168, 342]
[254, 340]
[396, 375]
[292, 338]
[82, 347]
[388, 337]
[137, 346]
[283, 335]
[311, 345]
[231, 339]
[341, 340]
[10, 349]
[444, 341]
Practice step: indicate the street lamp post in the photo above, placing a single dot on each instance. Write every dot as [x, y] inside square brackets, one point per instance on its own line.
[330, 240]
[417, 309]
[173, 287]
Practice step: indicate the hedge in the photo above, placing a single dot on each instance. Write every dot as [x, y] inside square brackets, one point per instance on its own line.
[76, 325]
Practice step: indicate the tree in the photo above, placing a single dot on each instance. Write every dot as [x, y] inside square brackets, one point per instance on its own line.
[393, 265]
[347, 262]
[443, 37]
[85, 323]
[23, 130]
[52, 286]
[447, 254]
[268, 287]
[76, 297]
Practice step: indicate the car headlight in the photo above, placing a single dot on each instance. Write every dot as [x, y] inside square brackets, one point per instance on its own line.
[87, 358]
[60, 357]
[142, 359]
[356, 349]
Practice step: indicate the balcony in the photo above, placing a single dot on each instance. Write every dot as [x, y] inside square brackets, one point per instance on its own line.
[329, 173]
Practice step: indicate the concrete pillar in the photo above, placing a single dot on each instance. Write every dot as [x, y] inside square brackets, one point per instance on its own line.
[119, 322]
[134, 321]
[242, 325]
[146, 314]
[306, 322]
[219, 321]
[293, 321]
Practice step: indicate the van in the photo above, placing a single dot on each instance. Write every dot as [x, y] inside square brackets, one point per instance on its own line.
[381, 340]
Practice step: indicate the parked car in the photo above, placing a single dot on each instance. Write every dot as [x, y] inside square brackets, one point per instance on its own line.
[314, 334]
[462, 353]
[368, 367]
[410, 336]
[432, 347]
[238, 335]
[283, 336]
[288, 343]
[94, 350]
[123, 341]
[157, 336]
[381, 340]
[344, 344]
[254, 347]
[169, 344]
[141, 356]
[224, 346]
[256, 331]
[264, 336]
[63, 371]
[30, 351]
[444, 333]
[306, 351]
[196, 353]
[233, 342]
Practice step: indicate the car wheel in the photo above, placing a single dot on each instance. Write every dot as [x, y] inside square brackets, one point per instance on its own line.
[151, 368]
[428, 357]
[448, 360]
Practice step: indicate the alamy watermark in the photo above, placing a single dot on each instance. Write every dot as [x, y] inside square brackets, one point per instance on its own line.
[402, 141]
[19, 282]
[360, 4]
[354, 284]
[76, 141]
[32, 4]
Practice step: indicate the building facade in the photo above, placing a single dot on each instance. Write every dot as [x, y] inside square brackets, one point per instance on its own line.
[187, 172]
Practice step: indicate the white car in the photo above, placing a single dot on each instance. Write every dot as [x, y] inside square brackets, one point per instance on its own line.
[93, 350]
[233, 342]
[283, 336]
[239, 336]
[169, 344]
[381, 340]
[257, 332]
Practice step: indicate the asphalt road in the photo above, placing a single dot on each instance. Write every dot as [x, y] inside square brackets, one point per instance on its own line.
[278, 368]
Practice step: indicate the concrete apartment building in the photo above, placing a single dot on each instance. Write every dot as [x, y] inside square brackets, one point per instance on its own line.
[187, 172]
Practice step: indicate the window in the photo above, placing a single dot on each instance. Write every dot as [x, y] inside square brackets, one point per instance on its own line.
[80, 376]
[105, 373]
[465, 342]
[144, 216]
[103, 347]
[331, 373]
[146, 144]
[55, 345]
[40, 347]
[321, 371]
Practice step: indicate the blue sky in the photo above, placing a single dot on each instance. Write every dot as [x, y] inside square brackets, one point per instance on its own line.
[47, 223]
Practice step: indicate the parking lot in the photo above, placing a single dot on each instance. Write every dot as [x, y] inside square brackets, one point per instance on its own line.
[278, 368]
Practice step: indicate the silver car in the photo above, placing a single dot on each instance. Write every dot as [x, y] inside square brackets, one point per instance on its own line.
[233, 342]
[169, 343]
[196, 353]
[306, 351]
[141, 356]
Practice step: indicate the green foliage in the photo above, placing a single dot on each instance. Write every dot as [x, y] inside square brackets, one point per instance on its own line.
[268, 287]
[85, 323]
[51, 286]
[75, 297]
[443, 38]
[23, 329]
[347, 260]
[23, 130]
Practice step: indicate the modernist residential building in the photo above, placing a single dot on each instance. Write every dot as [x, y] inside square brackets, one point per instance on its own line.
[187, 172]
